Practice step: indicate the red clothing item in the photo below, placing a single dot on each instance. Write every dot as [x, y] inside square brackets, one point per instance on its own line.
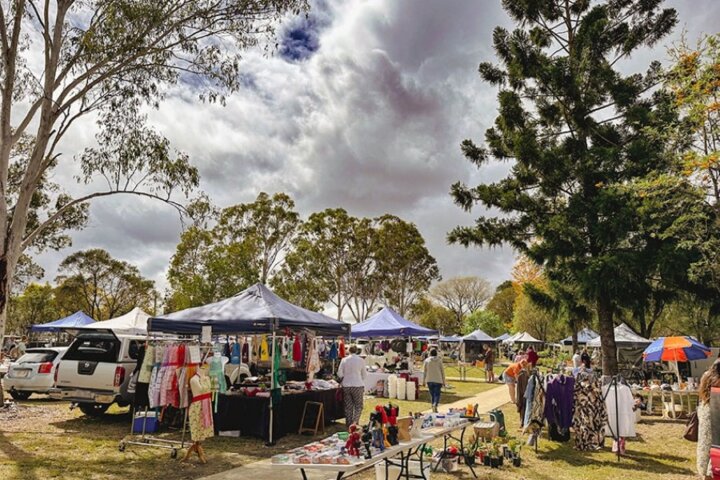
[341, 349]
[532, 357]
[297, 350]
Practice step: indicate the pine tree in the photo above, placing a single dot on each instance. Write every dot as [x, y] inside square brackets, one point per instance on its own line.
[577, 132]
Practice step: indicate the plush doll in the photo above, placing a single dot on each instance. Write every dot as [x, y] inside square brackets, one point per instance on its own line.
[353, 442]
[366, 439]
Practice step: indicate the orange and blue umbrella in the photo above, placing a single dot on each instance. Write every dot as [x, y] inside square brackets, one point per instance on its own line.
[675, 349]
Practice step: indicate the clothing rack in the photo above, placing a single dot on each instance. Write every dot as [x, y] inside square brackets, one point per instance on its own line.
[146, 440]
[539, 383]
[615, 434]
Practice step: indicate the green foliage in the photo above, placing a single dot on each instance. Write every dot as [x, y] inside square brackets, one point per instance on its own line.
[431, 315]
[502, 304]
[35, 305]
[537, 321]
[356, 264]
[101, 286]
[485, 320]
[577, 132]
[247, 244]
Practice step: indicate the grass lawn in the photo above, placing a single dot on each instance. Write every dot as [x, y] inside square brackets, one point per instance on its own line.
[44, 439]
[658, 453]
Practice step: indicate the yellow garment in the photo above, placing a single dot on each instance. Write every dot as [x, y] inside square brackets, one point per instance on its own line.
[264, 352]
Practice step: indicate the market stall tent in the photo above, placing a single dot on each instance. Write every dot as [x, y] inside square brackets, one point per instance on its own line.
[523, 337]
[502, 337]
[472, 345]
[584, 336]
[629, 344]
[624, 337]
[388, 323]
[256, 309]
[132, 323]
[77, 319]
[512, 338]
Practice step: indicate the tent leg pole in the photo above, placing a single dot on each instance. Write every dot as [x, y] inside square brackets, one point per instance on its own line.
[272, 387]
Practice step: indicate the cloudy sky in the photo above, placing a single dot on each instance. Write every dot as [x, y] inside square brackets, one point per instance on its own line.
[363, 107]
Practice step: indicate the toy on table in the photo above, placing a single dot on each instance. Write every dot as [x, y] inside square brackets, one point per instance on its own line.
[366, 439]
[353, 442]
[377, 421]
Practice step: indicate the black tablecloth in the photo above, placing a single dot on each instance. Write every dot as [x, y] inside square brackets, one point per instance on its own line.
[251, 415]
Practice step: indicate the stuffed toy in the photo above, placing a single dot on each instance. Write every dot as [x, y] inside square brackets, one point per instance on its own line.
[353, 442]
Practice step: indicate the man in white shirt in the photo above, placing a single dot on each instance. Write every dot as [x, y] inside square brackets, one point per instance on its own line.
[576, 360]
[351, 373]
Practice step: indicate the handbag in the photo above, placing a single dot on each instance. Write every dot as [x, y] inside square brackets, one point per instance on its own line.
[691, 428]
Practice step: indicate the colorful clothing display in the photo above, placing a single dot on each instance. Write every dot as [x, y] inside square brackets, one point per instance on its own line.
[559, 406]
[297, 350]
[200, 413]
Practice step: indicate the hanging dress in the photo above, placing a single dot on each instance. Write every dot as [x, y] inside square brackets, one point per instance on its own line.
[264, 352]
[341, 349]
[200, 412]
[590, 414]
[297, 350]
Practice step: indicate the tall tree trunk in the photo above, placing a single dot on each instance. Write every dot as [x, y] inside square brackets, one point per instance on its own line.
[607, 336]
[575, 344]
[5, 276]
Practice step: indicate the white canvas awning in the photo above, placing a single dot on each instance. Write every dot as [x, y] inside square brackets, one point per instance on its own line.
[132, 323]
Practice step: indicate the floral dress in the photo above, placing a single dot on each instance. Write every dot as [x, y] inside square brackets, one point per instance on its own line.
[200, 413]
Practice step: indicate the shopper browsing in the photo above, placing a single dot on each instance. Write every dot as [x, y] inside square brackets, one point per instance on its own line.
[489, 364]
[434, 377]
[532, 356]
[710, 379]
[510, 376]
[351, 373]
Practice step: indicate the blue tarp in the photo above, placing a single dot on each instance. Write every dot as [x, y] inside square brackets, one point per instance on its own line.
[254, 310]
[584, 336]
[77, 319]
[388, 323]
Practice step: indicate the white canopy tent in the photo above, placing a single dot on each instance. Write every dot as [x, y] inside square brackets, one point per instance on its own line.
[132, 323]
[624, 337]
[525, 337]
[512, 338]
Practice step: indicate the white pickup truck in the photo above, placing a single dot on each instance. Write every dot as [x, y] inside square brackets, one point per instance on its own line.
[95, 371]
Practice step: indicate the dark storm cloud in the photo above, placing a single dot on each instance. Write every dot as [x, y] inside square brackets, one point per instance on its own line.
[364, 107]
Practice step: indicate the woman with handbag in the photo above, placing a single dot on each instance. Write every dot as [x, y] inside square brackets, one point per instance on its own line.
[711, 378]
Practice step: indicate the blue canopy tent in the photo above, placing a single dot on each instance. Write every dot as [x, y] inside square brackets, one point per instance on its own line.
[254, 310]
[77, 319]
[388, 323]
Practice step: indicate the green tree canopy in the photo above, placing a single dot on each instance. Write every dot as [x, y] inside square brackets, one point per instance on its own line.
[35, 305]
[485, 320]
[577, 131]
[101, 286]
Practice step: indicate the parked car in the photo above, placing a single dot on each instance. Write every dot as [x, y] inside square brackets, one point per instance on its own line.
[95, 371]
[33, 372]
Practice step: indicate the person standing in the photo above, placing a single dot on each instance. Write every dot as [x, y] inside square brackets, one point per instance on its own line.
[585, 358]
[489, 364]
[434, 377]
[510, 376]
[351, 373]
[22, 346]
[532, 356]
[576, 360]
[711, 378]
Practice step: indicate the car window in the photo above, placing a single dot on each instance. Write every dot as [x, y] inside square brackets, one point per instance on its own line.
[96, 349]
[134, 349]
[38, 357]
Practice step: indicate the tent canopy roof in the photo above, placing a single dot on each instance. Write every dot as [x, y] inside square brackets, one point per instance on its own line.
[77, 319]
[584, 336]
[132, 323]
[624, 337]
[256, 309]
[478, 336]
[525, 337]
[502, 337]
[388, 323]
[451, 339]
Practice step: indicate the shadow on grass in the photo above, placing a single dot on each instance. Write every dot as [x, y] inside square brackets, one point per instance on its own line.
[633, 460]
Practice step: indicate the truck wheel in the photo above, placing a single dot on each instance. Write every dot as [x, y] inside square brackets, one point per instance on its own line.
[20, 395]
[94, 409]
